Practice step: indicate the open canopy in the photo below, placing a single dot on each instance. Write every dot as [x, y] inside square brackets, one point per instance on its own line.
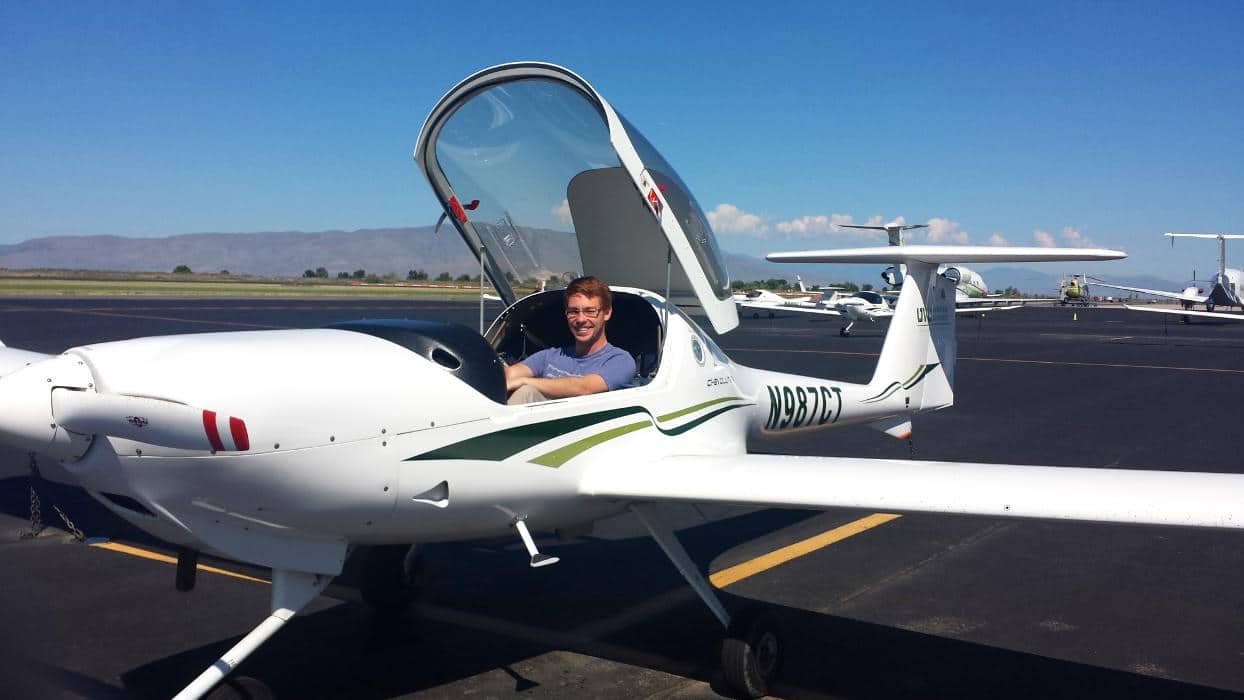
[544, 180]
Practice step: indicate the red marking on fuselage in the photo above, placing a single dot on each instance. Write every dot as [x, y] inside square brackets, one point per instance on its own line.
[213, 435]
[237, 428]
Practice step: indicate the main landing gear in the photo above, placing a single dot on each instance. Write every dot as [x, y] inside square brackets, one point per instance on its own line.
[751, 650]
[846, 330]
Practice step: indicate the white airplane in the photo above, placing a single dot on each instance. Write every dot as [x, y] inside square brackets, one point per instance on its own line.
[1224, 290]
[297, 449]
[860, 306]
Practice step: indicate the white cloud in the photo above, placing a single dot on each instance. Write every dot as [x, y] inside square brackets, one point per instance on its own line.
[1043, 238]
[813, 225]
[998, 239]
[1075, 239]
[944, 230]
[562, 212]
[727, 218]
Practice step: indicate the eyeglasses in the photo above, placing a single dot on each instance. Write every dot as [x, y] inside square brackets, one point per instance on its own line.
[589, 312]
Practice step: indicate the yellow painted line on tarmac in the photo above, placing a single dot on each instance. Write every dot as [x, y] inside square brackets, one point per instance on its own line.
[1069, 363]
[764, 562]
[156, 556]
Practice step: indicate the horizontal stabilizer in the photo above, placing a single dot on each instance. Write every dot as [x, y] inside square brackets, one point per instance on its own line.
[945, 254]
[1224, 236]
[996, 490]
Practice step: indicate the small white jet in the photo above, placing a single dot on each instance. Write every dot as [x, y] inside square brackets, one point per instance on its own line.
[1224, 289]
[298, 449]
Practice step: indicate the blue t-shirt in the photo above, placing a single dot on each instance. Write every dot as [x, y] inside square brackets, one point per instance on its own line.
[613, 364]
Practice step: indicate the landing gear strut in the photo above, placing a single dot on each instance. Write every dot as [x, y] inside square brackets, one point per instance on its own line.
[751, 650]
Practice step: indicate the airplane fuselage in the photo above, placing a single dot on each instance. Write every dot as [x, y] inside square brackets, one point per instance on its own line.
[425, 456]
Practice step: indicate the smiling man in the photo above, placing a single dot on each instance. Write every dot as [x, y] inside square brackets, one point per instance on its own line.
[590, 366]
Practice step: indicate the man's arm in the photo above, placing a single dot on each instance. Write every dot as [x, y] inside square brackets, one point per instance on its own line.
[555, 387]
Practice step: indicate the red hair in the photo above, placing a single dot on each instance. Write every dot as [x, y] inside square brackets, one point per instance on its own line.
[593, 288]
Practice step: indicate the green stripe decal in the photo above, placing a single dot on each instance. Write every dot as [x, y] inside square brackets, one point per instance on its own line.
[503, 444]
[693, 409]
[561, 455]
[921, 372]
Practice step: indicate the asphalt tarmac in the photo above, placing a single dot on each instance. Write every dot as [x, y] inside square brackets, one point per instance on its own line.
[916, 607]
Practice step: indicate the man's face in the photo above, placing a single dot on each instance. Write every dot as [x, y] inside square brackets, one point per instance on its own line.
[586, 317]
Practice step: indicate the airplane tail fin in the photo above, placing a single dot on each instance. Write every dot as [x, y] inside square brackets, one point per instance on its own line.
[918, 354]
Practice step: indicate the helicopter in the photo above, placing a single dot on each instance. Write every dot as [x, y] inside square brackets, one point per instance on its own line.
[300, 449]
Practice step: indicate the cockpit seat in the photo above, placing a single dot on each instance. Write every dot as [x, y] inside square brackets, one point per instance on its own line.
[460, 350]
[539, 321]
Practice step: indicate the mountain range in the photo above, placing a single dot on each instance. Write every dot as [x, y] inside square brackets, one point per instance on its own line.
[398, 250]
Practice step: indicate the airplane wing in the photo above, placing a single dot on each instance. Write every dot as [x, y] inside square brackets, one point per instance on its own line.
[1002, 302]
[775, 308]
[996, 490]
[1178, 312]
[1180, 296]
[982, 308]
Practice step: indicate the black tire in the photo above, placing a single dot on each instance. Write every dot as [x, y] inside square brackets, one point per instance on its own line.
[751, 653]
[755, 314]
[390, 577]
[241, 688]
[770, 314]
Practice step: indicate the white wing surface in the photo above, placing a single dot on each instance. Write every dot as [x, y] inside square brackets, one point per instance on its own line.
[945, 254]
[1178, 312]
[996, 490]
[774, 308]
[1180, 296]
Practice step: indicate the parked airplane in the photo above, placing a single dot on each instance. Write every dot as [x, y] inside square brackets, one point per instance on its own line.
[1224, 289]
[860, 306]
[252, 456]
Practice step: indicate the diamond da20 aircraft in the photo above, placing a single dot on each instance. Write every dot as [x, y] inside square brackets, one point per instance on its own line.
[1225, 289]
[295, 449]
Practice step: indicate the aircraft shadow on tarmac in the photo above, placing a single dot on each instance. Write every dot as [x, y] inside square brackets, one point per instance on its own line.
[483, 608]
[487, 610]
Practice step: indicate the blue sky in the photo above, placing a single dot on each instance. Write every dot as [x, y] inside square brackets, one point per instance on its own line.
[1079, 124]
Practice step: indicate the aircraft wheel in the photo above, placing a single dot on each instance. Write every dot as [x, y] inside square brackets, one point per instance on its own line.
[751, 653]
[241, 688]
[770, 314]
[755, 314]
[390, 576]
[844, 332]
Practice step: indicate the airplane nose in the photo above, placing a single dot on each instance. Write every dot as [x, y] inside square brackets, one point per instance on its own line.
[26, 420]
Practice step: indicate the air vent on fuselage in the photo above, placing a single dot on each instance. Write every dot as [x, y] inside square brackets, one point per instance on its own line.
[128, 504]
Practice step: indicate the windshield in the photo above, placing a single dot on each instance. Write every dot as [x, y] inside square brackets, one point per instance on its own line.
[554, 199]
[514, 147]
